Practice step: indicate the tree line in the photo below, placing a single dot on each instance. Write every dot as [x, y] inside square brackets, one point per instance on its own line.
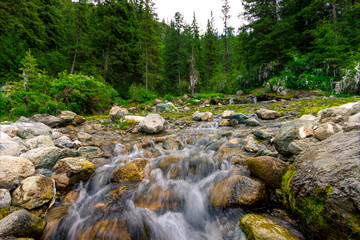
[308, 44]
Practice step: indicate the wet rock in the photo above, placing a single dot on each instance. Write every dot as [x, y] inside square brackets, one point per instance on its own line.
[169, 160]
[90, 152]
[227, 152]
[131, 171]
[252, 122]
[71, 118]
[197, 116]
[5, 198]
[47, 157]
[324, 183]
[239, 191]
[21, 224]
[162, 107]
[14, 170]
[267, 152]
[289, 132]
[33, 192]
[48, 120]
[207, 117]
[39, 141]
[28, 128]
[240, 159]
[261, 134]
[267, 169]
[252, 144]
[261, 228]
[106, 229]
[10, 130]
[239, 117]
[157, 199]
[52, 220]
[267, 114]
[117, 113]
[76, 169]
[152, 123]
[171, 144]
[224, 123]
[326, 130]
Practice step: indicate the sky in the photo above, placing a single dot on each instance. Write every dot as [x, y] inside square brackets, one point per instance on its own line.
[166, 9]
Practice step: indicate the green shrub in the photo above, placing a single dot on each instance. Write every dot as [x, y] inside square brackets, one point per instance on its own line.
[140, 94]
[169, 97]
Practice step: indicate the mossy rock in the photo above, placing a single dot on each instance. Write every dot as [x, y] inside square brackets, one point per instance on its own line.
[257, 227]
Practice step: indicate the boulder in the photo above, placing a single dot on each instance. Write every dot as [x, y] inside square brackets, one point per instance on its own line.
[117, 112]
[21, 224]
[90, 152]
[308, 117]
[267, 114]
[71, 118]
[251, 122]
[131, 171]
[261, 228]
[261, 134]
[28, 128]
[39, 141]
[289, 132]
[224, 123]
[48, 120]
[326, 130]
[5, 198]
[65, 142]
[167, 161]
[84, 137]
[33, 192]
[207, 117]
[239, 117]
[354, 118]
[266, 152]
[252, 144]
[152, 123]
[227, 152]
[13, 170]
[10, 130]
[227, 113]
[197, 116]
[75, 169]
[47, 157]
[9, 148]
[237, 191]
[338, 114]
[267, 169]
[323, 187]
[162, 107]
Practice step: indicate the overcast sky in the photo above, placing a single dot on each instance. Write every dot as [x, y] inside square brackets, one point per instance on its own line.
[166, 9]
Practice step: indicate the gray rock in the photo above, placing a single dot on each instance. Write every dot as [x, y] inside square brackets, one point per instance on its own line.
[39, 141]
[152, 123]
[289, 132]
[90, 152]
[5, 198]
[64, 142]
[48, 120]
[336, 114]
[252, 144]
[47, 157]
[9, 148]
[21, 224]
[354, 118]
[328, 172]
[197, 115]
[28, 128]
[239, 117]
[117, 112]
[13, 170]
[162, 107]
[252, 122]
[261, 134]
[267, 152]
[326, 130]
[10, 130]
[267, 114]
[33, 192]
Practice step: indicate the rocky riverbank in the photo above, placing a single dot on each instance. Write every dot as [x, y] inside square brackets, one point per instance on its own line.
[255, 157]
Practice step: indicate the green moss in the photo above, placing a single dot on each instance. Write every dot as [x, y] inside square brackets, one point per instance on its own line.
[354, 222]
[97, 117]
[125, 124]
[4, 211]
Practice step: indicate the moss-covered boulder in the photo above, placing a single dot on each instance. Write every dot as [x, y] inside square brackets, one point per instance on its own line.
[33, 192]
[268, 169]
[131, 171]
[237, 191]
[257, 227]
[322, 187]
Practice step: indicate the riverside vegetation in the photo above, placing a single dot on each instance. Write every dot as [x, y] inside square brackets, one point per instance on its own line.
[214, 168]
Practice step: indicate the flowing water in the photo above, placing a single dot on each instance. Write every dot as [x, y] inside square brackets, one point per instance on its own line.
[171, 202]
